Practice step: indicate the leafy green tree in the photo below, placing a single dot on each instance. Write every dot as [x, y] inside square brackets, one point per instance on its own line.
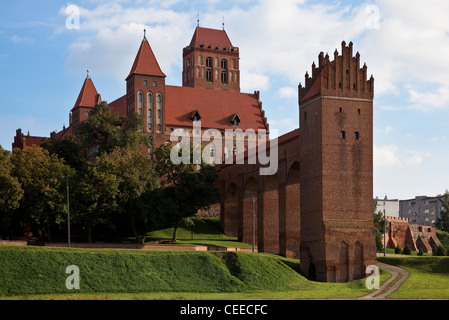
[189, 186]
[95, 193]
[10, 192]
[104, 131]
[379, 224]
[442, 222]
[41, 177]
[68, 149]
[136, 176]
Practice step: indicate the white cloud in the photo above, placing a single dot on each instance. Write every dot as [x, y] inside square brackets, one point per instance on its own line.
[429, 100]
[391, 155]
[288, 92]
[386, 156]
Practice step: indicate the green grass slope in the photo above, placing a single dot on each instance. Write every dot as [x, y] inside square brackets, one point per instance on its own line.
[428, 279]
[40, 270]
[158, 274]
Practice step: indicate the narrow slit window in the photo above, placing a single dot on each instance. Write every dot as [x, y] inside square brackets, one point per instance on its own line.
[356, 135]
[342, 135]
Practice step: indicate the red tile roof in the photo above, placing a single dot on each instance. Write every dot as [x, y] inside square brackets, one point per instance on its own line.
[145, 62]
[88, 96]
[217, 108]
[210, 37]
[119, 106]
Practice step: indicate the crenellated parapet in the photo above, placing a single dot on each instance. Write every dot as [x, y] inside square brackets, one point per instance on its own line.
[341, 77]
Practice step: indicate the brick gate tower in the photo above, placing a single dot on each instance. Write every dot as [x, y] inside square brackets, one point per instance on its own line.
[336, 159]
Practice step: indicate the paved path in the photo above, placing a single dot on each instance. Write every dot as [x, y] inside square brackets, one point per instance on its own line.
[398, 277]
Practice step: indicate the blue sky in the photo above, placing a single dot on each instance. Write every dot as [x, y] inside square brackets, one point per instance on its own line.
[405, 44]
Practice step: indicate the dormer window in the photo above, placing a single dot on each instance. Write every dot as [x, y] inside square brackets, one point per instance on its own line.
[195, 116]
[235, 120]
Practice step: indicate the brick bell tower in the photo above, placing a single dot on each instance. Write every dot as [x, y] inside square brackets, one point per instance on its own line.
[336, 123]
[145, 92]
[210, 61]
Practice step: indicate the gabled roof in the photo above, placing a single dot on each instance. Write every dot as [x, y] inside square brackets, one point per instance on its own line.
[217, 108]
[119, 106]
[210, 37]
[145, 62]
[88, 96]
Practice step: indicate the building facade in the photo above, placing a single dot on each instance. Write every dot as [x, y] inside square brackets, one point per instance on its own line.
[205, 106]
[318, 206]
[388, 207]
[401, 233]
[421, 210]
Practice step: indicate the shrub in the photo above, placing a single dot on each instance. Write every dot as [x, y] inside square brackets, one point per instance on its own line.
[407, 249]
[439, 251]
[420, 252]
[397, 249]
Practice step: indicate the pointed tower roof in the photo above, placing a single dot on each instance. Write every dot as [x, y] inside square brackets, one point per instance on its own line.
[145, 62]
[88, 96]
[210, 37]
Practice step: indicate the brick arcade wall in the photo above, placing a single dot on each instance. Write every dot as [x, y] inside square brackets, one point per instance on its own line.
[318, 205]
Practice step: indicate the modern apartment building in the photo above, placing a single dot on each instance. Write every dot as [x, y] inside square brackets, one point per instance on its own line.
[421, 210]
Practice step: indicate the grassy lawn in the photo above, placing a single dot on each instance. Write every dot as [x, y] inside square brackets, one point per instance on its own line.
[39, 273]
[428, 279]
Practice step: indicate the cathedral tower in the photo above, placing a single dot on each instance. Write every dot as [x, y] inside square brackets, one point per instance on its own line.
[336, 123]
[145, 91]
[211, 61]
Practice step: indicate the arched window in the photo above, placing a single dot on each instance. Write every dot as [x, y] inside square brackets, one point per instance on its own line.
[200, 60]
[150, 111]
[224, 77]
[159, 112]
[224, 63]
[209, 62]
[140, 103]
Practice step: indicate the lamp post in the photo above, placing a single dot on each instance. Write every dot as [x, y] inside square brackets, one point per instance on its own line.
[385, 232]
[253, 222]
[68, 212]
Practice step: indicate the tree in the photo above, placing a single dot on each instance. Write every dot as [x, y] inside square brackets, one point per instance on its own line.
[10, 192]
[68, 149]
[104, 131]
[442, 222]
[136, 176]
[189, 186]
[379, 224]
[95, 193]
[41, 177]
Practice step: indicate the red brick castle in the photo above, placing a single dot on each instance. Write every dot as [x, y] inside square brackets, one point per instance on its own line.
[318, 205]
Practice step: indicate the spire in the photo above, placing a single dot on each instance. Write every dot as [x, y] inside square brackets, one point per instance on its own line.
[145, 62]
[87, 74]
[88, 96]
[144, 34]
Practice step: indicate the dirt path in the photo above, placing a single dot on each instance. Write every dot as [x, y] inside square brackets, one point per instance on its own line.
[398, 277]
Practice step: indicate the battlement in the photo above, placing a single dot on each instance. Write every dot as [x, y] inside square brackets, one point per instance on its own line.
[341, 77]
[211, 48]
[396, 219]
